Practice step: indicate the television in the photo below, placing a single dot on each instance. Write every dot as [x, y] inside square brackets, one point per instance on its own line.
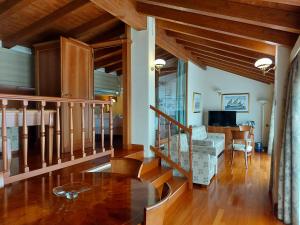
[222, 118]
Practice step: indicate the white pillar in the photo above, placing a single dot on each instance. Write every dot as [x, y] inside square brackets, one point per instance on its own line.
[143, 86]
[281, 75]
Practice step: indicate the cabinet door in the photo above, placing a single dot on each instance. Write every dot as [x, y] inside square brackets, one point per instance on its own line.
[76, 82]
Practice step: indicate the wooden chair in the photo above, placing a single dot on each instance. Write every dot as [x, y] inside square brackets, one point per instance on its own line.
[241, 142]
[126, 166]
[251, 132]
[155, 214]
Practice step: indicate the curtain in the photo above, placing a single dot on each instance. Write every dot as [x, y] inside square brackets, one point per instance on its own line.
[181, 92]
[289, 168]
[272, 129]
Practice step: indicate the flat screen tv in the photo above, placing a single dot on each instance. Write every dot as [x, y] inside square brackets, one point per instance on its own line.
[222, 118]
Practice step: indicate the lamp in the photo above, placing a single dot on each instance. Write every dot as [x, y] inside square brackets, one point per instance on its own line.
[159, 63]
[264, 64]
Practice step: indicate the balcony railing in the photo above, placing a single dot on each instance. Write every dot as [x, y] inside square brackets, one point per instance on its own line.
[50, 112]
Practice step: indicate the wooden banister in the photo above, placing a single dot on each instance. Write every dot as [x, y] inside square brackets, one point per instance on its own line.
[167, 158]
[50, 119]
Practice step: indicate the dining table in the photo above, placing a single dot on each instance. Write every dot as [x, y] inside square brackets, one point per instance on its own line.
[102, 198]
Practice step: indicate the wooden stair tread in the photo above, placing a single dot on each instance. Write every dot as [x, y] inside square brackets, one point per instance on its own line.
[157, 176]
[150, 164]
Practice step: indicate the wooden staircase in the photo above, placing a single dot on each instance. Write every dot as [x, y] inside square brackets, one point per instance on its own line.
[156, 174]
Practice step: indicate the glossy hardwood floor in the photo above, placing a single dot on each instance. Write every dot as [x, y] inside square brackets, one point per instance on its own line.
[235, 196]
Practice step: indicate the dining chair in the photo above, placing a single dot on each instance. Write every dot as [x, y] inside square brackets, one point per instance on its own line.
[126, 166]
[251, 132]
[242, 143]
[155, 214]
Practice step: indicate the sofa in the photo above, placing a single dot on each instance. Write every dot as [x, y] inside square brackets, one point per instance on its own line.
[206, 148]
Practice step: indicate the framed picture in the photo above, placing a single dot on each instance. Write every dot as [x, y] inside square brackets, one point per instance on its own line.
[196, 102]
[235, 102]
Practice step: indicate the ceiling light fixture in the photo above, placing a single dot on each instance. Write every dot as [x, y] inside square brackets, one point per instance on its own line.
[264, 64]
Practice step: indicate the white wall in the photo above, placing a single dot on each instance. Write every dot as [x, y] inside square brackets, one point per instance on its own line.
[193, 85]
[143, 86]
[207, 81]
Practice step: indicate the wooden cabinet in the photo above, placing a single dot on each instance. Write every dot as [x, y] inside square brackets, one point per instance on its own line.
[65, 68]
[227, 132]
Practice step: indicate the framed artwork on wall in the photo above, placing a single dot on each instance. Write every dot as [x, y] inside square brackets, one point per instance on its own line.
[196, 102]
[235, 102]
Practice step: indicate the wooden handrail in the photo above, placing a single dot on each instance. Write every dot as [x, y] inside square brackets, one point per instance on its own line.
[33, 98]
[167, 158]
[187, 129]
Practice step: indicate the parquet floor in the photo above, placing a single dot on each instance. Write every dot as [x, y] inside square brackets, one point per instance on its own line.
[235, 196]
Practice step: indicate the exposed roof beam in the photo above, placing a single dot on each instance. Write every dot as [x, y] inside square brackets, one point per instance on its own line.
[101, 52]
[115, 33]
[108, 44]
[194, 47]
[251, 73]
[235, 11]
[108, 62]
[286, 2]
[92, 25]
[114, 67]
[249, 31]
[239, 72]
[247, 67]
[216, 45]
[108, 55]
[10, 7]
[41, 24]
[253, 45]
[170, 45]
[125, 11]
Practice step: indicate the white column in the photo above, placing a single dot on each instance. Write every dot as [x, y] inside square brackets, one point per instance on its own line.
[143, 86]
[281, 75]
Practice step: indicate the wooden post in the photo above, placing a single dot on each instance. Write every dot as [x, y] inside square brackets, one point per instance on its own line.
[93, 128]
[25, 136]
[191, 157]
[43, 104]
[158, 131]
[4, 138]
[169, 140]
[83, 130]
[111, 127]
[71, 105]
[58, 132]
[179, 147]
[102, 127]
[50, 137]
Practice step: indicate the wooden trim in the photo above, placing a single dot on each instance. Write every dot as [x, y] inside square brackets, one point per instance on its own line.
[11, 179]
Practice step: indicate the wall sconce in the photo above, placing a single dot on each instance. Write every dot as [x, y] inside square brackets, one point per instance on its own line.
[159, 63]
[218, 90]
[264, 64]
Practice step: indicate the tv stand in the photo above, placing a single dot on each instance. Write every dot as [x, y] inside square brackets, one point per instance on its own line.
[227, 131]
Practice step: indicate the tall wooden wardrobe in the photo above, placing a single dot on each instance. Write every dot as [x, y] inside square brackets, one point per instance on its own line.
[65, 68]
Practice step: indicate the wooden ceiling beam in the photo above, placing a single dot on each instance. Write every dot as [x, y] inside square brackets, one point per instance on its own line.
[238, 72]
[247, 67]
[113, 68]
[169, 44]
[10, 7]
[251, 74]
[108, 61]
[101, 52]
[255, 15]
[125, 11]
[249, 31]
[115, 33]
[194, 47]
[220, 46]
[253, 45]
[92, 25]
[108, 44]
[108, 55]
[42, 24]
